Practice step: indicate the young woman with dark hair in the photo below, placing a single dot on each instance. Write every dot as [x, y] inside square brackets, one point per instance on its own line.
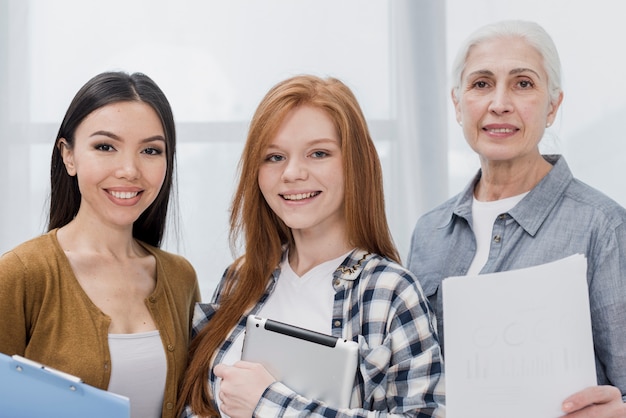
[95, 296]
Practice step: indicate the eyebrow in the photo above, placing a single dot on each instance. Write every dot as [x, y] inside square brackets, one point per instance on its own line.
[514, 71]
[312, 142]
[117, 138]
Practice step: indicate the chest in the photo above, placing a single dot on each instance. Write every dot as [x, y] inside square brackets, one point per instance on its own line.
[118, 289]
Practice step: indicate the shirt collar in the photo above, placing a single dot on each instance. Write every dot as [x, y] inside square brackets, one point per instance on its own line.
[531, 211]
[349, 269]
[352, 265]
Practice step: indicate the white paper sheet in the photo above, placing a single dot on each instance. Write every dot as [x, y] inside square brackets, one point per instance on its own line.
[517, 343]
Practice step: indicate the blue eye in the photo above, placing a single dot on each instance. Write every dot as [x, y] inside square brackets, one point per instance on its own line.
[274, 158]
[319, 154]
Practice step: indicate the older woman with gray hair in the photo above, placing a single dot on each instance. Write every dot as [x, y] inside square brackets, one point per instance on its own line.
[524, 208]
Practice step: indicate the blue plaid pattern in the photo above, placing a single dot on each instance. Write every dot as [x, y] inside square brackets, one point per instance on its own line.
[381, 306]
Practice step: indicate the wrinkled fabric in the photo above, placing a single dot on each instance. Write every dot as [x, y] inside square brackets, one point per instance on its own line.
[559, 217]
[380, 305]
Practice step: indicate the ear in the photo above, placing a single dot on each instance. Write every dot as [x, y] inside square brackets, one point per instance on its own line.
[554, 108]
[68, 156]
[457, 107]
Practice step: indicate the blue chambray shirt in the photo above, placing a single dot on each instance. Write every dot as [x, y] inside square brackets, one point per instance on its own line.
[380, 305]
[559, 217]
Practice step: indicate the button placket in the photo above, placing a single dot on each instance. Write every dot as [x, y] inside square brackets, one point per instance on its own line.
[499, 228]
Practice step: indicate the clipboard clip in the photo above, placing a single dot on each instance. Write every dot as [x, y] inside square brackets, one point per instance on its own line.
[23, 361]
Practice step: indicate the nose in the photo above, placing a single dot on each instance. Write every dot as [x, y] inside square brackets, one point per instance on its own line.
[295, 169]
[501, 101]
[128, 167]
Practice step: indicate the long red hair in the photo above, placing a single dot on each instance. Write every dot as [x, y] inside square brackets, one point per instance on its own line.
[264, 234]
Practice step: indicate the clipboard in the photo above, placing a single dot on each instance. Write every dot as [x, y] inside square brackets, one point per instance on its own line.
[30, 389]
[316, 365]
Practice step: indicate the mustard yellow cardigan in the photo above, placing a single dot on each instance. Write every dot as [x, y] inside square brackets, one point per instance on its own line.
[46, 316]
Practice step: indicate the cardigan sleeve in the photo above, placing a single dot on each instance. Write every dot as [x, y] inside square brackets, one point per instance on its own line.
[13, 309]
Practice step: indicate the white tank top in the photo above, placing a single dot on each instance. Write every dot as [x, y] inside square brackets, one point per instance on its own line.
[138, 371]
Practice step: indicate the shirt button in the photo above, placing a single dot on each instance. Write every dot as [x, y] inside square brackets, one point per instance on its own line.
[336, 282]
[170, 347]
[337, 323]
[152, 299]
[497, 238]
[169, 406]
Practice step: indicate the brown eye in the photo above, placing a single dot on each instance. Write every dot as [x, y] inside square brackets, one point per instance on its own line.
[152, 151]
[104, 147]
[525, 84]
[480, 84]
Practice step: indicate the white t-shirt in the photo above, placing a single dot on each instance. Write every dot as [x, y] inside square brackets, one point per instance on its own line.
[138, 371]
[305, 301]
[484, 215]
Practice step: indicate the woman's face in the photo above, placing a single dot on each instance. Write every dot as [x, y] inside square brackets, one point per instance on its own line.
[504, 103]
[119, 159]
[301, 176]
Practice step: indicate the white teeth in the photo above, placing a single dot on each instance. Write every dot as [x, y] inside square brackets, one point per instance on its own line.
[124, 195]
[299, 196]
[501, 130]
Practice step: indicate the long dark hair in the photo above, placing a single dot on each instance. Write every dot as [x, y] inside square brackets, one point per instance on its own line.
[102, 90]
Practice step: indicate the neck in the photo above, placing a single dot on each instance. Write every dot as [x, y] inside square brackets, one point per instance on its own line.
[500, 180]
[310, 251]
[99, 239]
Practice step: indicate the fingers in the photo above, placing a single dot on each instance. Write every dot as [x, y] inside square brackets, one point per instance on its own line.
[219, 370]
[246, 365]
[241, 387]
[223, 371]
[598, 396]
[223, 401]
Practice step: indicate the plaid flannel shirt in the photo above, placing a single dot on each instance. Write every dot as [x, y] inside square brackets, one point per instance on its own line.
[380, 305]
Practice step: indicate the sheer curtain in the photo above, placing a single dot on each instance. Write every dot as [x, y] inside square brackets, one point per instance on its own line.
[22, 200]
[215, 60]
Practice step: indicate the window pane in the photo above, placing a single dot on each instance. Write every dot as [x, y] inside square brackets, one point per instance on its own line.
[214, 59]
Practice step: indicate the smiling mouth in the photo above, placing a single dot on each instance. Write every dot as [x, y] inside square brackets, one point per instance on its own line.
[123, 195]
[300, 196]
[501, 130]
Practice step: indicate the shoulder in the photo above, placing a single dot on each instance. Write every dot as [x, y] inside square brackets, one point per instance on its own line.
[169, 260]
[382, 274]
[176, 271]
[378, 265]
[444, 208]
[387, 293]
[574, 198]
[583, 195]
[33, 266]
[36, 251]
[440, 215]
